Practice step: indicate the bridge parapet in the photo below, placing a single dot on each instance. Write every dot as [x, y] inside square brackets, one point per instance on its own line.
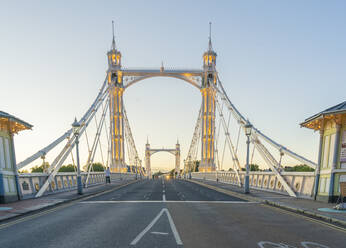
[302, 183]
[30, 183]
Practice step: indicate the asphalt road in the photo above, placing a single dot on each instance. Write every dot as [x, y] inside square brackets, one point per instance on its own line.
[168, 213]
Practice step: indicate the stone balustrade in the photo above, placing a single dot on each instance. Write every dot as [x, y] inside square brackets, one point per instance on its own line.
[30, 183]
[302, 183]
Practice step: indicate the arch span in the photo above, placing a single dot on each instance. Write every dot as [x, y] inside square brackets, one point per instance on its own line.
[193, 77]
[190, 81]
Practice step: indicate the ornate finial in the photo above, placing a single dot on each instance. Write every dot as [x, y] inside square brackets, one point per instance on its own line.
[113, 41]
[210, 45]
[147, 140]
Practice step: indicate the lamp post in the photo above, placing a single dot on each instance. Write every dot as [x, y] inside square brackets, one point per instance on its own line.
[248, 129]
[75, 128]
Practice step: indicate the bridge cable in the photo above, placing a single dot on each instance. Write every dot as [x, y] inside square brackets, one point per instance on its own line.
[95, 142]
[55, 166]
[231, 147]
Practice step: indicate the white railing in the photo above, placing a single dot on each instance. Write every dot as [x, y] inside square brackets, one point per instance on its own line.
[30, 183]
[302, 183]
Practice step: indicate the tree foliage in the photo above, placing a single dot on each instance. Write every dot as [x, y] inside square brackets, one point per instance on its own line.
[37, 169]
[196, 165]
[95, 167]
[253, 167]
[299, 168]
[68, 168]
[40, 168]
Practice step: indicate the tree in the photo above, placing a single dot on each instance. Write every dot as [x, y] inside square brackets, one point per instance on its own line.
[37, 169]
[253, 167]
[196, 165]
[40, 168]
[299, 168]
[171, 173]
[68, 168]
[95, 167]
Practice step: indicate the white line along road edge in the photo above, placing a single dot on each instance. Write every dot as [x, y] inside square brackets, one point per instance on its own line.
[183, 202]
[152, 223]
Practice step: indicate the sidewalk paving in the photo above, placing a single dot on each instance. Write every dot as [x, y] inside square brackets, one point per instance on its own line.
[300, 205]
[15, 209]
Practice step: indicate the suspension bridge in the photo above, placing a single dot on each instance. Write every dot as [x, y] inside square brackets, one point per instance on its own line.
[212, 137]
[149, 213]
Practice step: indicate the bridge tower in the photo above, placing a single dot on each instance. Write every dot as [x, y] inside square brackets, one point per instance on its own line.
[209, 81]
[116, 90]
[177, 157]
[147, 159]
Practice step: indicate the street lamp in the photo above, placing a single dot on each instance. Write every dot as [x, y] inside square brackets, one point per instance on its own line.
[248, 129]
[75, 128]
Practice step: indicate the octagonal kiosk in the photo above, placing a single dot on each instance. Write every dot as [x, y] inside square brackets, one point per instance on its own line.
[9, 188]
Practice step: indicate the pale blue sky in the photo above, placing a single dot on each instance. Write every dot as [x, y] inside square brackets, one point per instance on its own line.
[280, 62]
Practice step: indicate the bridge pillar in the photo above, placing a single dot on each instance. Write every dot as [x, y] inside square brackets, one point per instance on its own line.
[208, 110]
[147, 159]
[116, 90]
[177, 158]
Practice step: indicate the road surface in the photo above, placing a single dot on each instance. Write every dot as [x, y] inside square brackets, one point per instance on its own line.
[168, 213]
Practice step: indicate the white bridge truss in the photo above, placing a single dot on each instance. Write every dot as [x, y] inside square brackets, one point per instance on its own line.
[209, 129]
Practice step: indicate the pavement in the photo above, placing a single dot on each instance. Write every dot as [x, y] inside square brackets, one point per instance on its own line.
[19, 208]
[168, 213]
[316, 209]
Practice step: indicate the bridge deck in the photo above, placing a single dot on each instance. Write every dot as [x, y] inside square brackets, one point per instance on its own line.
[171, 213]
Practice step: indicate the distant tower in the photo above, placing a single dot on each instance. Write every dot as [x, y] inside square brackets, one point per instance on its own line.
[208, 107]
[147, 158]
[177, 158]
[116, 89]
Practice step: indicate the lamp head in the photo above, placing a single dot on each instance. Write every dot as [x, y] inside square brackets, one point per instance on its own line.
[75, 127]
[248, 128]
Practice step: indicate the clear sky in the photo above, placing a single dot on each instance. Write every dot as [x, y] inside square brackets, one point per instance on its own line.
[280, 62]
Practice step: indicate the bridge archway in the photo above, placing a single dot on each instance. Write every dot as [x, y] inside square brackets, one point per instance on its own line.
[150, 151]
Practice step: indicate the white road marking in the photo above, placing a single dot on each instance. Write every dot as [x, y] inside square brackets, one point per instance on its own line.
[305, 244]
[276, 197]
[159, 233]
[163, 191]
[212, 202]
[152, 223]
[174, 229]
[163, 197]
